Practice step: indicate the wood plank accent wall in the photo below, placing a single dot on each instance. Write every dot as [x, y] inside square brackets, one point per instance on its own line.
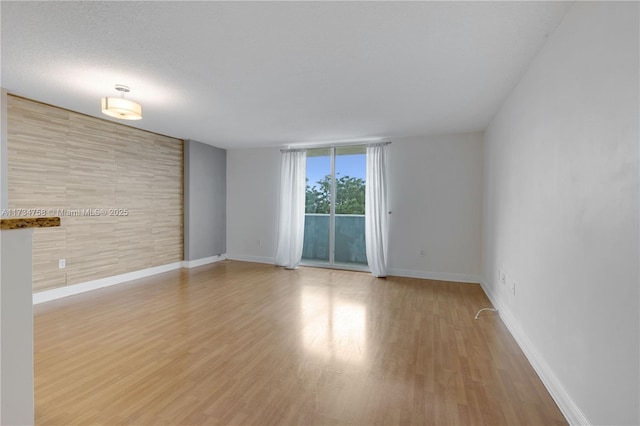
[59, 159]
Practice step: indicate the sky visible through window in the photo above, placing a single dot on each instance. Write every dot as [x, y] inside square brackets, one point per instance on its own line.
[353, 165]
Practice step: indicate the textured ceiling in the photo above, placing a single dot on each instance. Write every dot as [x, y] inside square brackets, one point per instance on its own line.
[248, 74]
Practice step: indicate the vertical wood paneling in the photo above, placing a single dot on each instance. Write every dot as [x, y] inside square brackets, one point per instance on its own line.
[63, 160]
[134, 191]
[167, 223]
[48, 241]
[37, 154]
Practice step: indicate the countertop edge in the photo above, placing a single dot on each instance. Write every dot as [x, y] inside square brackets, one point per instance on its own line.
[29, 222]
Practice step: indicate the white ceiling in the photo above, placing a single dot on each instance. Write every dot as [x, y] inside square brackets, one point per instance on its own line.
[249, 74]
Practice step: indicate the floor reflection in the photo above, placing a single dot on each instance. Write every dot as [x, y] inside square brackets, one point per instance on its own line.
[333, 327]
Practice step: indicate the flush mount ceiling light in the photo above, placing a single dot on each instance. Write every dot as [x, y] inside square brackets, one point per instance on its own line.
[120, 107]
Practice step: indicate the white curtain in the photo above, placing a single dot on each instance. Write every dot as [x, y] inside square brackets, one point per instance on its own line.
[292, 204]
[376, 214]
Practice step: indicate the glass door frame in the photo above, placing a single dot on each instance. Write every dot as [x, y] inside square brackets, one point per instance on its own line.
[331, 264]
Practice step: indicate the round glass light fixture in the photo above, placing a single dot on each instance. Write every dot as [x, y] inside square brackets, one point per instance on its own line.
[121, 108]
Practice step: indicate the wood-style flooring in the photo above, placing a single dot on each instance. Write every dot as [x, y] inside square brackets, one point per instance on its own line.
[238, 343]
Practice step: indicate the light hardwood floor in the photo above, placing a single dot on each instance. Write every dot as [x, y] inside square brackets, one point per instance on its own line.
[250, 344]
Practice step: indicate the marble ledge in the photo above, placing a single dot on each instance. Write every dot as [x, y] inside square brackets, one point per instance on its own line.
[29, 222]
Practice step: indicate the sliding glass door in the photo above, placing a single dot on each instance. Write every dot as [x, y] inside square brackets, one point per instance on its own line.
[334, 221]
[317, 224]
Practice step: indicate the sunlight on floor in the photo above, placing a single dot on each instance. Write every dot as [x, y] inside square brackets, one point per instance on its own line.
[333, 327]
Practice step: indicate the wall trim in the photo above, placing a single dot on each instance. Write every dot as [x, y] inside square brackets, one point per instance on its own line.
[60, 292]
[567, 406]
[439, 276]
[203, 261]
[255, 259]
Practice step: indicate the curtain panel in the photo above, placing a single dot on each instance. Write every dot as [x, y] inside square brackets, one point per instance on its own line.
[376, 210]
[292, 206]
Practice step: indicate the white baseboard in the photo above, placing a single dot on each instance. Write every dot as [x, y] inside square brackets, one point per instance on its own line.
[255, 259]
[462, 278]
[440, 276]
[203, 261]
[567, 406]
[57, 293]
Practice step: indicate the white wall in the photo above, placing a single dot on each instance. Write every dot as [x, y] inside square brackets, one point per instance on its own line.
[16, 323]
[561, 213]
[205, 200]
[253, 179]
[3, 201]
[435, 194]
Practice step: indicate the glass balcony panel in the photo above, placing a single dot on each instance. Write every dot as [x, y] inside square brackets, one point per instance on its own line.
[316, 238]
[350, 246]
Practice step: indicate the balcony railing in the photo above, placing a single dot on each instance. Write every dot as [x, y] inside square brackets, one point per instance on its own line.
[349, 239]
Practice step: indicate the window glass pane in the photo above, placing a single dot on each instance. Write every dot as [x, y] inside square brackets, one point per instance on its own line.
[350, 169]
[318, 198]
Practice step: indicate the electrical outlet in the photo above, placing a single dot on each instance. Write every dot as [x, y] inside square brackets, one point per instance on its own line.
[62, 263]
